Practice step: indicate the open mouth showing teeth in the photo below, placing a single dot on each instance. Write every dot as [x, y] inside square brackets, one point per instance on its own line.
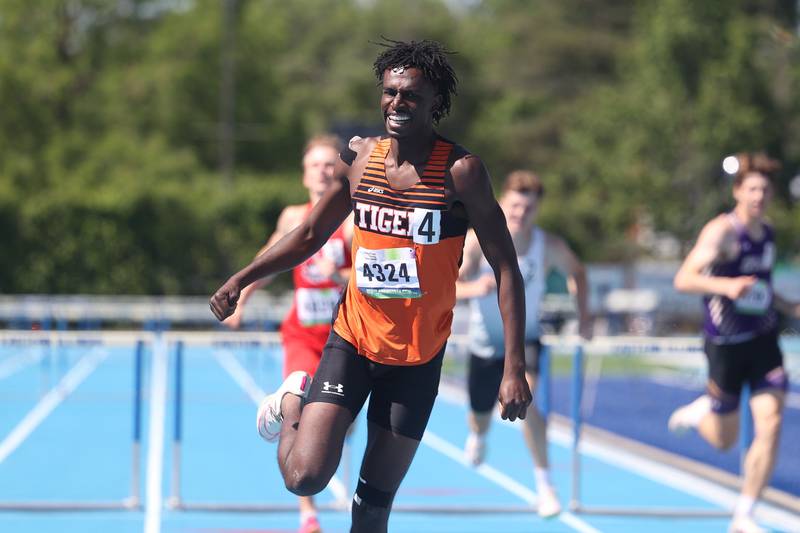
[399, 118]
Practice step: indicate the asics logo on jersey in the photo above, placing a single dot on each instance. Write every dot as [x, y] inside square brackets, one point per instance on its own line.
[377, 190]
[337, 389]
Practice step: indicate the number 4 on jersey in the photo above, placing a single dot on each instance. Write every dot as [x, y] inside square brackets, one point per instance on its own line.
[426, 225]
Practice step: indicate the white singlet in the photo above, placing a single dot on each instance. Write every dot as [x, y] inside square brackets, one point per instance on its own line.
[486, 324]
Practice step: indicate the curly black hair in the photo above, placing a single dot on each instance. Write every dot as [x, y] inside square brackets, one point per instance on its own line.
[428, 56]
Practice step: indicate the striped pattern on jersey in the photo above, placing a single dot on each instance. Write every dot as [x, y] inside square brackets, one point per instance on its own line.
[427, 193]
[399, 330]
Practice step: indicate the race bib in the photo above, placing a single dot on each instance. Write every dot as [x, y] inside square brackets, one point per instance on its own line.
[387, 273]
[316, 306]
[756, 301]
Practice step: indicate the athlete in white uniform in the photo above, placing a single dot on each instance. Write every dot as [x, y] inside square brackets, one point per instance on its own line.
[537, 253]
[485, 325]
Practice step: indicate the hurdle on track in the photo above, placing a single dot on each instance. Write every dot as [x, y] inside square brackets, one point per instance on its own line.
[63, 339]
[225, 340]
[176, 502]
[633, 346]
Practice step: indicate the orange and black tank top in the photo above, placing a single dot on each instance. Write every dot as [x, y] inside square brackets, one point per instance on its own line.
[407, 245]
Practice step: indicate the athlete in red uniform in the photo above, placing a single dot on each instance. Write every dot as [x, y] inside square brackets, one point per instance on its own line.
[413, 194]
[318, 283]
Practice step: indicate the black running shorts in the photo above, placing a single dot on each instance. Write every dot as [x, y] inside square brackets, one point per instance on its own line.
[486, 373]
[757, 362]
[401, 396]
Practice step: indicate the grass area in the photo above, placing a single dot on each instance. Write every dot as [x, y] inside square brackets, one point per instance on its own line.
[612, 365]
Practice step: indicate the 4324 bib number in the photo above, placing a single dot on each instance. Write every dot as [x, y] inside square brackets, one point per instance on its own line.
[387, 273]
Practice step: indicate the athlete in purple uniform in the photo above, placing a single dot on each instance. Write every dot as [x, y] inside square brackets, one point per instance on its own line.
[731, 265]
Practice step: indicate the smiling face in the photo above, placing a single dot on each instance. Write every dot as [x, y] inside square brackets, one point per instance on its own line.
[753, 195]
[407, 102]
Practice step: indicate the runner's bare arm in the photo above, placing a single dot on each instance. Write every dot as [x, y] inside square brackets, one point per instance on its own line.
[560, 256]
[473, 187]
[710, 247]
[295, 247]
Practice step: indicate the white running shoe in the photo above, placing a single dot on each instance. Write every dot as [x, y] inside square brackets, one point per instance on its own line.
[548, 504]
[475, 449]
[689, 416]
[269, 417]
[745, 524]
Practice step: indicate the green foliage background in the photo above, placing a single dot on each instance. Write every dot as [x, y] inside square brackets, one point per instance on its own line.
[109, 112]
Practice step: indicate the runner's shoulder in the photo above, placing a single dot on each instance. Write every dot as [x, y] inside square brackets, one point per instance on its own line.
[359, 147]
[719, 228]
[467, 169]
[718, 236]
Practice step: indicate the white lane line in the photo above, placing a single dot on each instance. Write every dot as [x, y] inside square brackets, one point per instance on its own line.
[241, 376]
[15, 363]
[155, 442]
[246, 382]
[518, 489]
[682, 481]
[85, 366]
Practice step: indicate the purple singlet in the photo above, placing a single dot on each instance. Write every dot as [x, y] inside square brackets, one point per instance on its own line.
[733, 321]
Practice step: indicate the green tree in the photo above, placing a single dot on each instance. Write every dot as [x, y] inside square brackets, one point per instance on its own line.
[110, 122]
[652, 143]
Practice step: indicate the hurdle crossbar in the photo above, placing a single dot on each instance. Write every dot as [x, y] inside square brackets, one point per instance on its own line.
[66, 506]
[663, 512]
[345, 507]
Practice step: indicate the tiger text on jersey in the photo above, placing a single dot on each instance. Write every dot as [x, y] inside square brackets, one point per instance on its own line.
[424, 225]
[382, 219]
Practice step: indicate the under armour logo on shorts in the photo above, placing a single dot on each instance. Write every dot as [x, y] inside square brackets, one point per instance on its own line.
[331, 389]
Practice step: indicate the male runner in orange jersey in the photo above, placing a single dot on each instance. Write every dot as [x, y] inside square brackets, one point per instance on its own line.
[413, 195]
[318, 282]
